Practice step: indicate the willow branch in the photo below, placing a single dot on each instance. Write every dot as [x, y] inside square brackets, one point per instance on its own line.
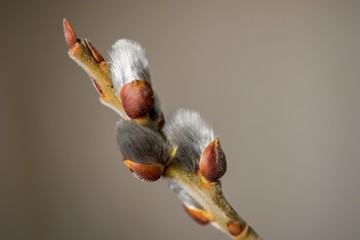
[182, 149]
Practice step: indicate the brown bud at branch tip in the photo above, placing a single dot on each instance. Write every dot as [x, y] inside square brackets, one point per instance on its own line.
[212, 164]
[137, 98]
[145, 172]
[200, 216]
[69, 33]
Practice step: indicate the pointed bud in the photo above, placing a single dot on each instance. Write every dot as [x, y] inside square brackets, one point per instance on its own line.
[145, 172]
[69, 33]
[236, 228]
[200, 216]
[137, 98]
[94, 52]
[212, 164]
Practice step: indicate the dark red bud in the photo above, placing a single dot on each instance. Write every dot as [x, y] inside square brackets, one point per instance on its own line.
[212, 164]
[137, 98]
[145, 172]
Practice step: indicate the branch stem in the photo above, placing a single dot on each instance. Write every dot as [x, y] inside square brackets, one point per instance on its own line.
[211, 198]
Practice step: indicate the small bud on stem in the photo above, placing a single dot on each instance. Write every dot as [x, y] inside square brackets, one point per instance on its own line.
[235, 227]
[137, 98]
[149, 173]
[200, 216]
[213, 161]
[94, 52]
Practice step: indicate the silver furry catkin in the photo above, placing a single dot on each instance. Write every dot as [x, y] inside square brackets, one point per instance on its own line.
[131, 77]
[142, 144]
[127, 63]
[191, 134]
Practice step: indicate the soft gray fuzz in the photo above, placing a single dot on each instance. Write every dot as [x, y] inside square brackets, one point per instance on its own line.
[128, 63]
[190, 133]
[141, 144]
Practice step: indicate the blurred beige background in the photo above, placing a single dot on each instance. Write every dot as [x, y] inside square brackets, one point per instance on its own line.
[278, 80]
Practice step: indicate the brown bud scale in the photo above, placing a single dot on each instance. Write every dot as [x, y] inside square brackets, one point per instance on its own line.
[94, 52]
[212, 165]
[137, 98]
[145, 172]
[200, 216]
[235, 228]
[69, 33]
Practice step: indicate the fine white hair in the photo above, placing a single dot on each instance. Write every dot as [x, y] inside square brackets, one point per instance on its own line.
[141, 144]
[128, 63]
[190, 133]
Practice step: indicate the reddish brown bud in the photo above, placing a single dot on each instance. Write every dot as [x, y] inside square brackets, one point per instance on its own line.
[137, 98]
[94, 52]
[200, 216]
[212, 164]
[236, 228]
[69, 33]
[145, 172]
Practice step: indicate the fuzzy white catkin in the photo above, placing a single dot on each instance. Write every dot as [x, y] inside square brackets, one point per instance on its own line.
[190, 133]
[141, 144]
[127, 63]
